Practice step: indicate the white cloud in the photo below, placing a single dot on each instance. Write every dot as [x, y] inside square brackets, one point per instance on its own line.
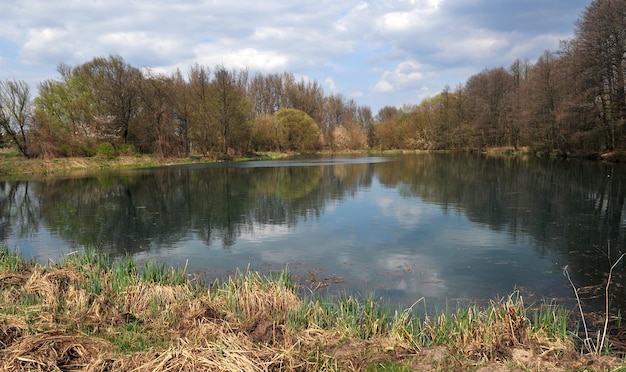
[420, 15]
[407, 214]
[43, 44]
[330, 83]
[251, 58]
[415, 274]
[264, 232]
[272, 33]
[382, 51]
[407, 74]
[477, 45]
[353, 19]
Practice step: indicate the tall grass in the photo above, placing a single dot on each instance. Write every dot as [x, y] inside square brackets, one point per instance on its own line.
[11, 260]
[123, 317]
[157, 273]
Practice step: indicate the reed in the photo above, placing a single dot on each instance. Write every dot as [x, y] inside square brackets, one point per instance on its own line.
[11, 261]
[93, 313]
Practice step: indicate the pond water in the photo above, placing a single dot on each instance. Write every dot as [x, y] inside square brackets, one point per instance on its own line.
[451, 228]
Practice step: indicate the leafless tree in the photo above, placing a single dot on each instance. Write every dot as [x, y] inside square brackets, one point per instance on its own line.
[16, 113]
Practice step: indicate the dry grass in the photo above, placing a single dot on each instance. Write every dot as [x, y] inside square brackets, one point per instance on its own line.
[93, 315]
[11, 162]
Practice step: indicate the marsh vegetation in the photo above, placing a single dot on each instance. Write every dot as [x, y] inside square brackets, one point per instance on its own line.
[93, 313]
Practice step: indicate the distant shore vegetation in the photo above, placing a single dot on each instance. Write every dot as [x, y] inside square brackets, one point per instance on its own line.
[568, 102]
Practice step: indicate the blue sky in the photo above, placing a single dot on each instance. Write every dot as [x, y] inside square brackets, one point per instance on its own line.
[386, 52]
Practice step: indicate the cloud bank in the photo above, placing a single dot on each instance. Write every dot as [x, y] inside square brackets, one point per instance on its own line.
[379, 52]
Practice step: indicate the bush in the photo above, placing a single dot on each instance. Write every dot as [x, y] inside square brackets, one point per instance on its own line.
[127, 150]
[87, 151]
[66, 149]
[105, 150]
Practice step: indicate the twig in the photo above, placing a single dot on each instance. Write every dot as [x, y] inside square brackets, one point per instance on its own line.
[606, 302]
[600, 341]
[580, 308]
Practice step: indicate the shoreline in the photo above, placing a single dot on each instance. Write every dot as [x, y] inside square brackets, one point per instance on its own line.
[12, 163]
[93, 313]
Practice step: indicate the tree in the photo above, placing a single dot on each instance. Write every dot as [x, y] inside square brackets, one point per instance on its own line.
[116, 85]
[182, 110]
[266, 92]
[296, 130]
[387, 135]
[486, 94]
[544, 93]
[156, 130]
[599, 46]
[15, 114]
[264, 135]
[69, 118]
[305, 96]
[230, 108]
[203, 131]
[386, 113]
[520, 70]
[338, 112]
[97, 101]
[366, 124]
[517, 102]
[579, 111]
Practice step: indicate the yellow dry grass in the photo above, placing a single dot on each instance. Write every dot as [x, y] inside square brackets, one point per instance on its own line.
[57, 318]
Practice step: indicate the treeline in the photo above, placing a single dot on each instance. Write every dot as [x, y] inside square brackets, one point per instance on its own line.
[569, 100]
[107, 105]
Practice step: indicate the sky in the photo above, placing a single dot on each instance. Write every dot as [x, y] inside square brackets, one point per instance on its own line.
[379, 53]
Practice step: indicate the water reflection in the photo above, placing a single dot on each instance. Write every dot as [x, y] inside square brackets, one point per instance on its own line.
[444, 226]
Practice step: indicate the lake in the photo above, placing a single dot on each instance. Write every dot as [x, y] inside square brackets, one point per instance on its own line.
[449, 228]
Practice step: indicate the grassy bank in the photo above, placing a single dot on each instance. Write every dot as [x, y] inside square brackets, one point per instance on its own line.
[12, 163]
[88, 313]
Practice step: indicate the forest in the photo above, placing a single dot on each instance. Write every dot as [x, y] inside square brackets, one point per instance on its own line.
[568, 101]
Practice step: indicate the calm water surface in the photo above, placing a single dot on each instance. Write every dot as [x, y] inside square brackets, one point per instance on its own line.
[445, 227]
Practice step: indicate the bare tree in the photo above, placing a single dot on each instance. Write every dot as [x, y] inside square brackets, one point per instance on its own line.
[266, 92]
[230, 108]
[486, 94]
[16, 114]
[156, 130]
[600, 48]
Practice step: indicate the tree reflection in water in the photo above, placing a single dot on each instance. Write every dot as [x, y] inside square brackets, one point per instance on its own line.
[570, 208]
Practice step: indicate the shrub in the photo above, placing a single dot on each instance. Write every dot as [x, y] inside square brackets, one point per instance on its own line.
[105, 150]
[127, 150]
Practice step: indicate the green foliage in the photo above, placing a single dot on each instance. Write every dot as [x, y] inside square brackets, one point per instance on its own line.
[551, 319]
[133, 338]
[127, 150]
[67, 150]
[156, 273]
[124, 273]
[362, 319]
[153, 272]
[106, 150]
[87, 259]
[296, 131]
[11, 260]
[283, 278]
[93, 265]
[87, 151]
